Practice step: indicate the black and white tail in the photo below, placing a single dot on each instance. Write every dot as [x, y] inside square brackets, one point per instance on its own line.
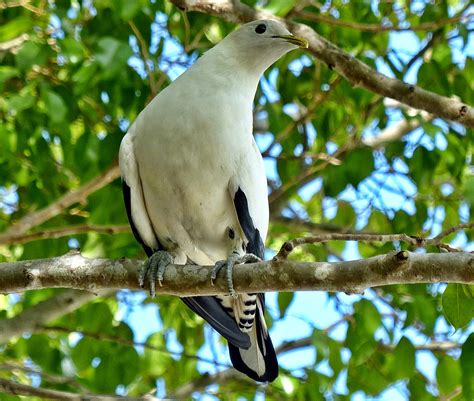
[259, 361]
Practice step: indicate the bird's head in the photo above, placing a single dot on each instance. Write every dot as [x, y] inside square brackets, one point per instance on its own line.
[260, 43]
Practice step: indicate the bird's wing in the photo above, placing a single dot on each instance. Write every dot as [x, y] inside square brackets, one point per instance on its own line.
[252, 234]
[211, 310]
[133, 196]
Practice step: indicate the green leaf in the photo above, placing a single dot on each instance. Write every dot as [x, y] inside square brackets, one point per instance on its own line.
[358, 165]
[7, 72]
[284, 301]
[280, 7]
[112, 55]
[55, 106]
[41, 351]
[129, 9]
[15, 28]
[458, 307]
[468, 190]
[30, 54]
[448, 374]
[467, 365]
[402, 365]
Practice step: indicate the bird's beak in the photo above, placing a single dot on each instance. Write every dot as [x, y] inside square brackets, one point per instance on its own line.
[300, 42]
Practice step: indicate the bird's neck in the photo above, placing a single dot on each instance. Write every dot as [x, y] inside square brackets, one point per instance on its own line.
[228, 71]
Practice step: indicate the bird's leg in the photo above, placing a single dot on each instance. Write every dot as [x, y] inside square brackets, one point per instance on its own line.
[154, 268]
[233, 259]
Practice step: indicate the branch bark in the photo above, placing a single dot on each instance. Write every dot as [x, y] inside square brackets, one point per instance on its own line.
[355, 71]
[75, 271]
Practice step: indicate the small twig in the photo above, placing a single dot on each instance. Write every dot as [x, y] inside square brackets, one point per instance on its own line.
[67, 231]
[123, 341]
[146, 57]
[316, 156]
[290, 245]
[13, 387]
[445, 233]
[78, 195]
[425, 26]
[44, 375]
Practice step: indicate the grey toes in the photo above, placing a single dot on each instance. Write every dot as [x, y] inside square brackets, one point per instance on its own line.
[154, 269]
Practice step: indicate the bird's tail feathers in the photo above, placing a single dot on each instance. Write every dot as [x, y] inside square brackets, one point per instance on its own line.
[259, 361]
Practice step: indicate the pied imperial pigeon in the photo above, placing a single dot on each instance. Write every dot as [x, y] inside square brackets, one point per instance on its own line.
[195, 188]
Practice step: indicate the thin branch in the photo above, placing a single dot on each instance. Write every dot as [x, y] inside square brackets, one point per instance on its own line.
[57, 379]
[290, 245]
[449, 231]
[280, 275]
[375, 28]
[355, 71]
[229, 374]
[79, 195]
[295, 224]
[130, 343]
[68, 231]
[35, 317]
[396, 131]
[14, 44]
[13, 387]
[392, 133]
[146, 58]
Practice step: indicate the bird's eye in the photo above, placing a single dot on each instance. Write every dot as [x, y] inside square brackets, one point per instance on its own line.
[261, 28]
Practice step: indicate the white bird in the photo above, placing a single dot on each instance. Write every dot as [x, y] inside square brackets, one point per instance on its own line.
[195, 187]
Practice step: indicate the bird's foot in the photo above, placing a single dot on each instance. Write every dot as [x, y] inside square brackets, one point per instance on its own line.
[229, 264]
[154, 268]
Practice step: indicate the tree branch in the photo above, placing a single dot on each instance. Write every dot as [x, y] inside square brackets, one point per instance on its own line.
[79, 195]
[35, 317]
[360, 26]
[74, 271]
[355, 71]
[290, 245]
[12, 387]
[67, 231]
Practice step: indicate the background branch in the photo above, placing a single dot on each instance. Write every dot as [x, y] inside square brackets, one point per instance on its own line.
[355, 71]
[34, 219]
[12, 387]
[35, 317]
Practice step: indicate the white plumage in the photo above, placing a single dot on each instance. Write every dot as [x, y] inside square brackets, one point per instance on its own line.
[194, 179]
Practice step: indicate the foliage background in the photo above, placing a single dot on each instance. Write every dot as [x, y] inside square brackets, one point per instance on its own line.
[73, 75]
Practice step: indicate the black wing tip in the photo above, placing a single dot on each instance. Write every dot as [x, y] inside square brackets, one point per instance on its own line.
[271, 364]
[210, 310]
[128, 207]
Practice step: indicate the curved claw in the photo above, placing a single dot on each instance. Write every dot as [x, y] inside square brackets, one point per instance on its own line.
[154, 268]
[216, 269]
[229, 263]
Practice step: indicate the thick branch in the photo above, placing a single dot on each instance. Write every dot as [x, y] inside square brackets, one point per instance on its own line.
[355, 71]
[75, 271]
